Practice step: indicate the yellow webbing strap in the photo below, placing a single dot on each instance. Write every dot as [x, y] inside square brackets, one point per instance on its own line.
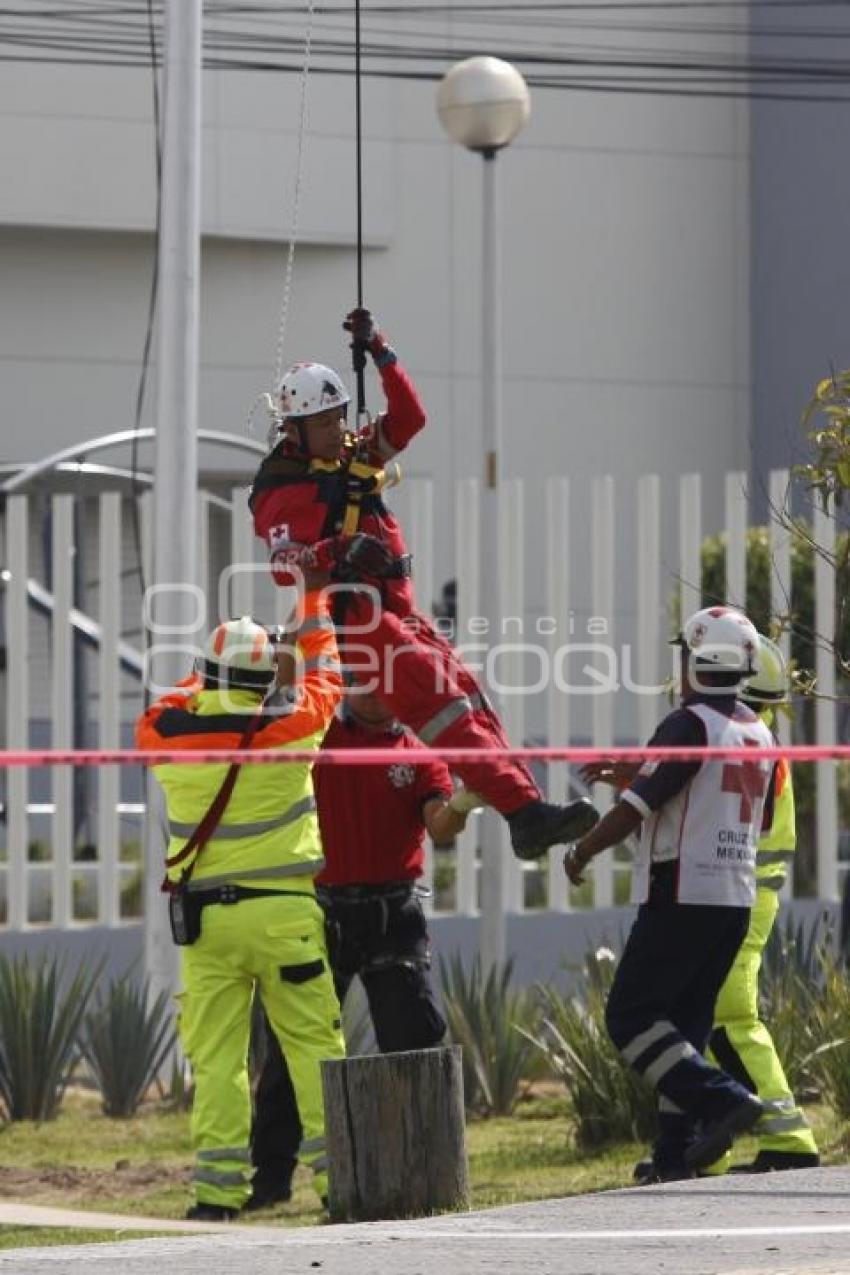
[380, 478]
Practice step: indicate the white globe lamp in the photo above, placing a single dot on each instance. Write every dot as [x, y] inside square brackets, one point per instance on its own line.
[483, 103]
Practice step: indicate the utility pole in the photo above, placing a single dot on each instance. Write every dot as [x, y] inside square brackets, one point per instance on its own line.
[171, 610]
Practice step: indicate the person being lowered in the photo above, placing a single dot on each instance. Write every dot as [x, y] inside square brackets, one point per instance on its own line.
[316, 503]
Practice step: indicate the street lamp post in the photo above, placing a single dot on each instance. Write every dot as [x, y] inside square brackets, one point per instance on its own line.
[483, 103]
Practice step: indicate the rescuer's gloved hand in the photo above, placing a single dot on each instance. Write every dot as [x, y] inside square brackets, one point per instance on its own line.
[365, 335]
[366, 556]
[462, 801]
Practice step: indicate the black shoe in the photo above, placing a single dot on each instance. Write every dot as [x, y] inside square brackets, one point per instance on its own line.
[713, 1140]
[210, 1213]
[647, 1173]
[266, 1198]
[776, 1161]
[540, 824]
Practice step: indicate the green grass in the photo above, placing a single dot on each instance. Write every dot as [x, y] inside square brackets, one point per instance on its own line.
[47, 1237]
[531, 1156]
[142, 1167]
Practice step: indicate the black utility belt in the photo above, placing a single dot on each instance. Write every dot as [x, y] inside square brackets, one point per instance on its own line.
[185, 906]
[351, 895]
[228, 893]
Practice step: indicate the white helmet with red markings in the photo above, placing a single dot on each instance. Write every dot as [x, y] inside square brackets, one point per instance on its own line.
[721, 640]
[239, 655]
[310, 388]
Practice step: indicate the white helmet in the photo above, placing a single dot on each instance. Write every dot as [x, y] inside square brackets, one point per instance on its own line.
[721, 640]
[770, 684]
[239, 654]
[309, 388]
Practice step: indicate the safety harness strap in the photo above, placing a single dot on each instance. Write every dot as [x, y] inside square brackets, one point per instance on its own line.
[209, 822]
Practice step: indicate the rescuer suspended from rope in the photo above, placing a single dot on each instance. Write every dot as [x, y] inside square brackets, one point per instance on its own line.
[316, 502]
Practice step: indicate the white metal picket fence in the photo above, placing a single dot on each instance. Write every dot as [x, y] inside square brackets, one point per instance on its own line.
[47, 877]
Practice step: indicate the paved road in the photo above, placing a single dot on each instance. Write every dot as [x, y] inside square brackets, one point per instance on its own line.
[784, 1224]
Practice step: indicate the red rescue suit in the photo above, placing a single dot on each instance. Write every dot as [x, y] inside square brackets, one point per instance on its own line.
[299, 508]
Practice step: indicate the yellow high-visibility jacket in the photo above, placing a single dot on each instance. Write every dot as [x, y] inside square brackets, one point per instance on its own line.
[776, 846]
[268, 831]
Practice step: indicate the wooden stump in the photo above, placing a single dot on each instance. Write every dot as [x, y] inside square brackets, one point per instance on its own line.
[395, 1134]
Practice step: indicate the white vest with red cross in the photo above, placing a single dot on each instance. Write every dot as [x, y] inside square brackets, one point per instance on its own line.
[713, 825]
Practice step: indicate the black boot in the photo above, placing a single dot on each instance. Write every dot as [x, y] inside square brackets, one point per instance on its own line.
[648, 1173]
[210, 1213]
[776, 1161]
[642, 1170]
[713, 1139]
[265, 1195]
[540, 824]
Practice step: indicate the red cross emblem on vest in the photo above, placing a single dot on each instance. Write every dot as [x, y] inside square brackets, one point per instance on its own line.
[749, 780]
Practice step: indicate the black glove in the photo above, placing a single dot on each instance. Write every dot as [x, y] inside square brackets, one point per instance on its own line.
[366, 556]
[365, 334]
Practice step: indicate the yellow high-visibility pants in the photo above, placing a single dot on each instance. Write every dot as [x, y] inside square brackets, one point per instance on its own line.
[275, 946]
[743, 1046]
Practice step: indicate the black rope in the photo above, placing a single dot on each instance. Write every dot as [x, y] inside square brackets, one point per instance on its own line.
[358, 125]
[358, 352]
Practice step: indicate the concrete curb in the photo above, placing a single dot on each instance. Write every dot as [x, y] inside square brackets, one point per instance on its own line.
[18, 1213]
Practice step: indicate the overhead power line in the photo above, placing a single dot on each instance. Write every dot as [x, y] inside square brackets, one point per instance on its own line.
[615, 51]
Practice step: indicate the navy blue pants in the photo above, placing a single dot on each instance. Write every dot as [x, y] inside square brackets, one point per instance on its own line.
[661, 1008]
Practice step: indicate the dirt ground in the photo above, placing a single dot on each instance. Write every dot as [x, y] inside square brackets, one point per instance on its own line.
[69, 1185]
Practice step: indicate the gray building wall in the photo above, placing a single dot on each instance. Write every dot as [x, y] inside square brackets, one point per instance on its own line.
[799, 234]
[625, 244]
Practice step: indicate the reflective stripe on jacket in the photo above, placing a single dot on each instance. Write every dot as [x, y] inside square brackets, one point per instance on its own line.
[776, 847]
[269, 828]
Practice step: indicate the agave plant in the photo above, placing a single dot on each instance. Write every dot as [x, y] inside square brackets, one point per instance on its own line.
[829, 1062]
[609, 1102]
[125, 1040]
[179, 1090]
[490, 1021]
[39, 1031]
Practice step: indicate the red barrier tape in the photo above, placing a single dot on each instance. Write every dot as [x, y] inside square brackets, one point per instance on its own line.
[391, 756]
